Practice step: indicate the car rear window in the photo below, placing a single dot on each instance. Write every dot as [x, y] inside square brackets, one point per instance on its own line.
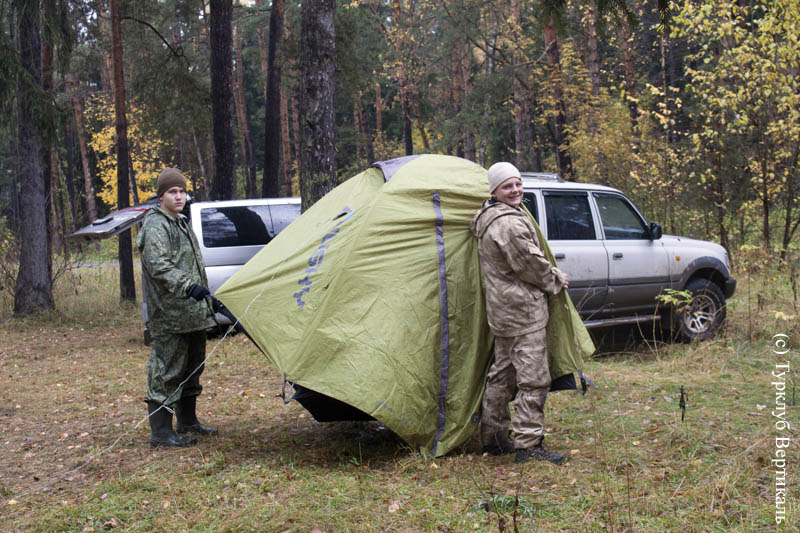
[236, 226]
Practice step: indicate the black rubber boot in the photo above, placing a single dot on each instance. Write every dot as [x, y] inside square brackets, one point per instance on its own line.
[161, 433]
[187, 418]
[538, 452]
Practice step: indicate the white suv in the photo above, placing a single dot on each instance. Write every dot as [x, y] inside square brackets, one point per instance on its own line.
[618, 263]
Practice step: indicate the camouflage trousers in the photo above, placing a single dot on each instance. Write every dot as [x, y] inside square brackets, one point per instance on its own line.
[520, 364]
[173, 357]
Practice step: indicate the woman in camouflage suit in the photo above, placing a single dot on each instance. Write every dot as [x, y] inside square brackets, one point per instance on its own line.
[518, 281]
[174, 285]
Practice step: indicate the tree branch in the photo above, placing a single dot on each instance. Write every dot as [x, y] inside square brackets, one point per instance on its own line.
[177, 53]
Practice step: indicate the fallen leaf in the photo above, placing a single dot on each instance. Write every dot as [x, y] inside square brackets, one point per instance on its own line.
[12, 502]
[760, 407]
[394, 507]
[574, 452]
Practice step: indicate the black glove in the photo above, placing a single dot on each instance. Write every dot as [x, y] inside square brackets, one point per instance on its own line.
[198, 292]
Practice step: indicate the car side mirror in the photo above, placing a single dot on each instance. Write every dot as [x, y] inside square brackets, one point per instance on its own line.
[655, 231]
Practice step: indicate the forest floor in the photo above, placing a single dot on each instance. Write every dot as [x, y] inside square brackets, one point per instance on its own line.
[76, 455]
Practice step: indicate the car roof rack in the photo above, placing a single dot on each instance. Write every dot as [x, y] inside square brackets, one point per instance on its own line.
[542, 176]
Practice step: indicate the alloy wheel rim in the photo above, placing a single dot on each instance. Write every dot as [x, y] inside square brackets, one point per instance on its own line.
[701, 315]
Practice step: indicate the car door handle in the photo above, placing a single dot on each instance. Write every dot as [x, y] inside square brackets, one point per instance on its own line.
[561, 256]
[617, 255]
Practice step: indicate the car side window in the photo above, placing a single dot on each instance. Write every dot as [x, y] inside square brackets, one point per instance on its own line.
[620, 220]
[236, 226]
[569, 216]
[283, 215]
[529, 199]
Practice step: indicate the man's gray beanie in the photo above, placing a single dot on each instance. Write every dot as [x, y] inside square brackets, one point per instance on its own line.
[500, 172]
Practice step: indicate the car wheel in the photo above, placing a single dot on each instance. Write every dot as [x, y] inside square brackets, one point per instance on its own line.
[700, 318]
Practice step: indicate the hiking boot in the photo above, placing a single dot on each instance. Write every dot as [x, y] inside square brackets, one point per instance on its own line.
[538, 452]
[161, 432]
[496, 443]
[187, 418]
[502, 449]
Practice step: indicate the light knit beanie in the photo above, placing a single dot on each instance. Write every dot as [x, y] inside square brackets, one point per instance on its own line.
[169, 177]
[500, 172]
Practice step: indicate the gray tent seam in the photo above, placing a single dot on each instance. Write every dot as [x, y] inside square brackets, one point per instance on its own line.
[445, 322]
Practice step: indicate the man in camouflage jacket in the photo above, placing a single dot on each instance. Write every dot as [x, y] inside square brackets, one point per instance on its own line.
[518, 280]
[174, 285]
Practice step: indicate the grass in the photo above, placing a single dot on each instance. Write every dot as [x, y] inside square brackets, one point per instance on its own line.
[72, 382]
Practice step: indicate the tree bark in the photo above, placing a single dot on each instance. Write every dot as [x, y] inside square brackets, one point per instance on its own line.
[317, 79]
[201, 164]
[34, 289]
[240, 106]
[408, 140]
[520, 108]
[286, 146]
[88, 188]
[626, 37]
[296, 129]
[359, 131]
[593, 58]
[221, 42]
[127, 285]
[50, 168]
[378, 122]
[560, 137]
[270, 185]
[69, 172]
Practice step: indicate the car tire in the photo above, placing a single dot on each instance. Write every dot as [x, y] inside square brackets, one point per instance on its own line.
[701, 318]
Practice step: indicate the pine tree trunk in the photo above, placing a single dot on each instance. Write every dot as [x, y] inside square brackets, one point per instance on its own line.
[50, 169]
[127, 286]
[378, 122]
[408, 140]
[359, 131]
[626, 38]
[487, 103]
[69, 172]
[317, 80]
[296, 129]
[201, 164]
[560, 138]
[270, 185]
[88, 188]
[420, 126]
[34, 289]
[221, 42]
[241, 117]
[286, 146]
[593, 58]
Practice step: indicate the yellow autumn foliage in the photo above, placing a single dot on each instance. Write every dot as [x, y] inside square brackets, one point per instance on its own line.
[146, 149]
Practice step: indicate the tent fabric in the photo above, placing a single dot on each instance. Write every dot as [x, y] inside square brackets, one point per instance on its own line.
[373, 298]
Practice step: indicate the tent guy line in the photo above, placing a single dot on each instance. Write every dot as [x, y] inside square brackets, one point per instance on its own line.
[47, 485]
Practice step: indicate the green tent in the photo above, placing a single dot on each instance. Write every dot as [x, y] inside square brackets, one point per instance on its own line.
[371, 303]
